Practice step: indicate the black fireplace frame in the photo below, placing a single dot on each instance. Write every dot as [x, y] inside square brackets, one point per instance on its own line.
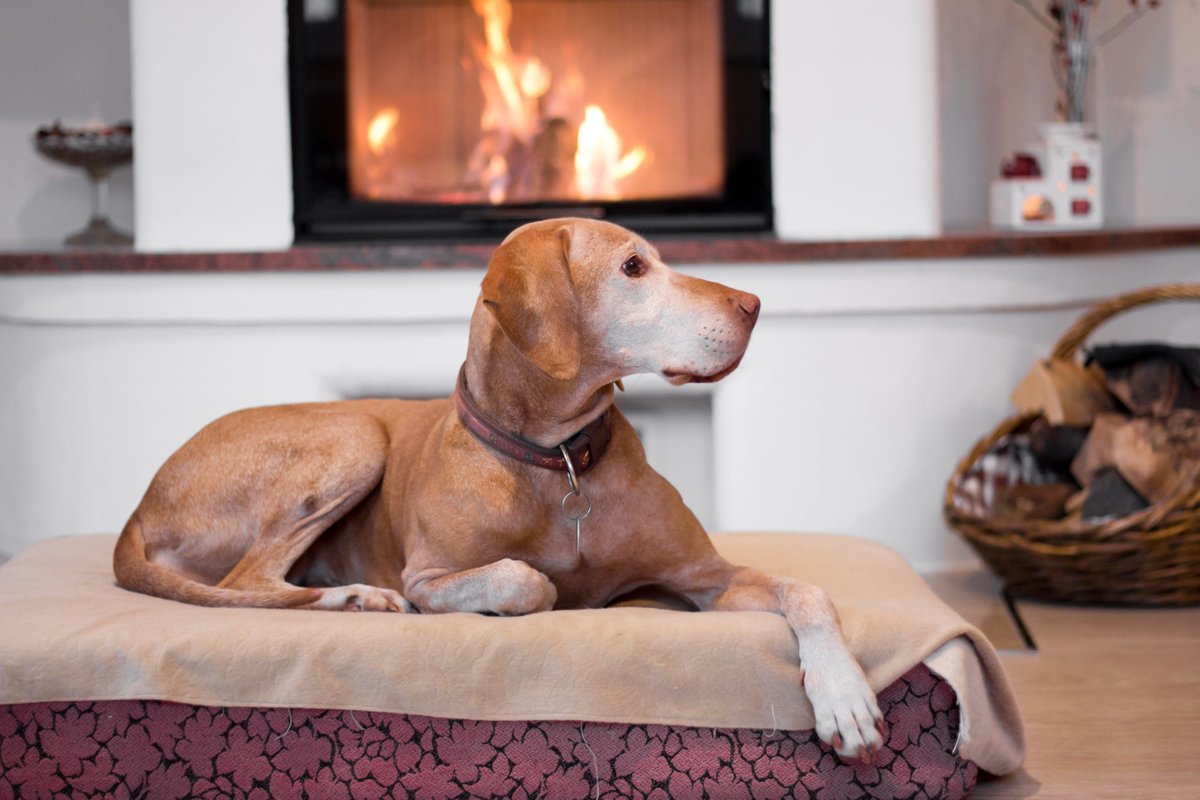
[324, 210]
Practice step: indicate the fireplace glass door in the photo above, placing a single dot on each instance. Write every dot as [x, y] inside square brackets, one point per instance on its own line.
[482, 113]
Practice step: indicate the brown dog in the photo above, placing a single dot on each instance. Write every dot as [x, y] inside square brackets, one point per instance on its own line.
[458, 505]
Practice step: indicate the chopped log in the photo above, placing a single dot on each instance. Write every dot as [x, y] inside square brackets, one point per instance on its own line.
[1097, 450]
[1151, 377]
[1159, 457]
[1064, 392]
[1110, 495]
[1026, 501]
[1155, 386]
[1055, 446]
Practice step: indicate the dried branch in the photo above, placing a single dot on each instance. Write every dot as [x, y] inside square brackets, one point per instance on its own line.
[1130, 17]
[1038, 16]
[1058, 69]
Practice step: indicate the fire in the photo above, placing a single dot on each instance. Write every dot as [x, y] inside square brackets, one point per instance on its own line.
[598, 160]
[515, 83]
[381, 142]
[381, 131]
[520, 152]
[535, 78]
[495, 178]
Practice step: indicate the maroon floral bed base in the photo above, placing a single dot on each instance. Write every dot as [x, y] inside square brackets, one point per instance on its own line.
[152, 749]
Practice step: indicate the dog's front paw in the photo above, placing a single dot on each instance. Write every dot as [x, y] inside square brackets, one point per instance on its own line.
[847, 713]
[521, 589]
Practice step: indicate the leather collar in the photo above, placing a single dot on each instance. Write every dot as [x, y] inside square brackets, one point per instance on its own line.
[584, 448]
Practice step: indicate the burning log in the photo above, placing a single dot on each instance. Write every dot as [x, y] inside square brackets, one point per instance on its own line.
[553, 155]
[529, 149]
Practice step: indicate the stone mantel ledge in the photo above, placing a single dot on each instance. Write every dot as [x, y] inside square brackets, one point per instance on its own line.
[714, 249]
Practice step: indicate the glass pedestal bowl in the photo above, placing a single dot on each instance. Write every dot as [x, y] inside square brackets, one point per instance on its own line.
[98, 150]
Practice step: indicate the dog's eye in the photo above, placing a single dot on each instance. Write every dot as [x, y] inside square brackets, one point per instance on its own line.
[634, 266]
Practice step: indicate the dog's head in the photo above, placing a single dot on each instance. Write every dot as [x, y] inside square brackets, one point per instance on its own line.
[570, 293]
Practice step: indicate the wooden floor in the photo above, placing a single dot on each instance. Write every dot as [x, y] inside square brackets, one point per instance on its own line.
[1111, 697]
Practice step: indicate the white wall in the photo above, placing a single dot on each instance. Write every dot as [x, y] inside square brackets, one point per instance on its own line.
[68, 60]
[1148, 112]
[995, 87]
[863, 386]
[854, 107]
[213, 136]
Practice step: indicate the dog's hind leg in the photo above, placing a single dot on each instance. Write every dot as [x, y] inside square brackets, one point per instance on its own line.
[230, 513]
[266, 562]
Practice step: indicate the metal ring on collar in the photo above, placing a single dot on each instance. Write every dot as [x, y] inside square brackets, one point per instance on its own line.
[583, 498]
[571, 478]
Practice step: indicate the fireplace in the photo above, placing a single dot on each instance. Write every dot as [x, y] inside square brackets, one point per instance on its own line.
[423, 118]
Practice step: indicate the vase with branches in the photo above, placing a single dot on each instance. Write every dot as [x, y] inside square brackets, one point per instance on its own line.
[1070, 23]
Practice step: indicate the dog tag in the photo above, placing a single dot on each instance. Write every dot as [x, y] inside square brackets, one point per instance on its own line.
[582, 505]
[576, 510]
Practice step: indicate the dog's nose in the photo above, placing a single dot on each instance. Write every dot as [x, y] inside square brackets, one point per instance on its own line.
[749, 304]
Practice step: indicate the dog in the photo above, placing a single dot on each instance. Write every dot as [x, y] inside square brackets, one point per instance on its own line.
[458, 504]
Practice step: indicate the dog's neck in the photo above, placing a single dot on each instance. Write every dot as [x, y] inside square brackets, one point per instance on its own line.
[523, 399]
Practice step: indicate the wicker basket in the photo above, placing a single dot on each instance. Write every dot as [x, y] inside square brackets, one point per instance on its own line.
[1150, 558]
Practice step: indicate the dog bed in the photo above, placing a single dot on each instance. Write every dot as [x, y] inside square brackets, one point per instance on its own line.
[105, 692]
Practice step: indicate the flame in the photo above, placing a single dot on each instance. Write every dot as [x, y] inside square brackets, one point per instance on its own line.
[518, 82]
[381, 130]
[598, 160]
[519, 103]
[630, 162]
[535, 78]
[381, 141]
[496, 178]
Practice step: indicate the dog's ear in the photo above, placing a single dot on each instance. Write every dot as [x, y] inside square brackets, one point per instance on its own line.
[528, 289]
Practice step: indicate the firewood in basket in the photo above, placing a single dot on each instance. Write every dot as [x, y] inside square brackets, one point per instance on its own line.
[1109, 495]
[1055, 446]
[1151, 377]
[1064, 392]
[1155, 386]
[1074, 504]
[1159, 457]
[1097, 450]
[1027, 501]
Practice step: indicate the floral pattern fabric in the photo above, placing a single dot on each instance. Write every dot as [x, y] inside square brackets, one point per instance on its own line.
[153, 749]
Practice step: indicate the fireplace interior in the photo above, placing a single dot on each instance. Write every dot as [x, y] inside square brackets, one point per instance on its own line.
[420, 118]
